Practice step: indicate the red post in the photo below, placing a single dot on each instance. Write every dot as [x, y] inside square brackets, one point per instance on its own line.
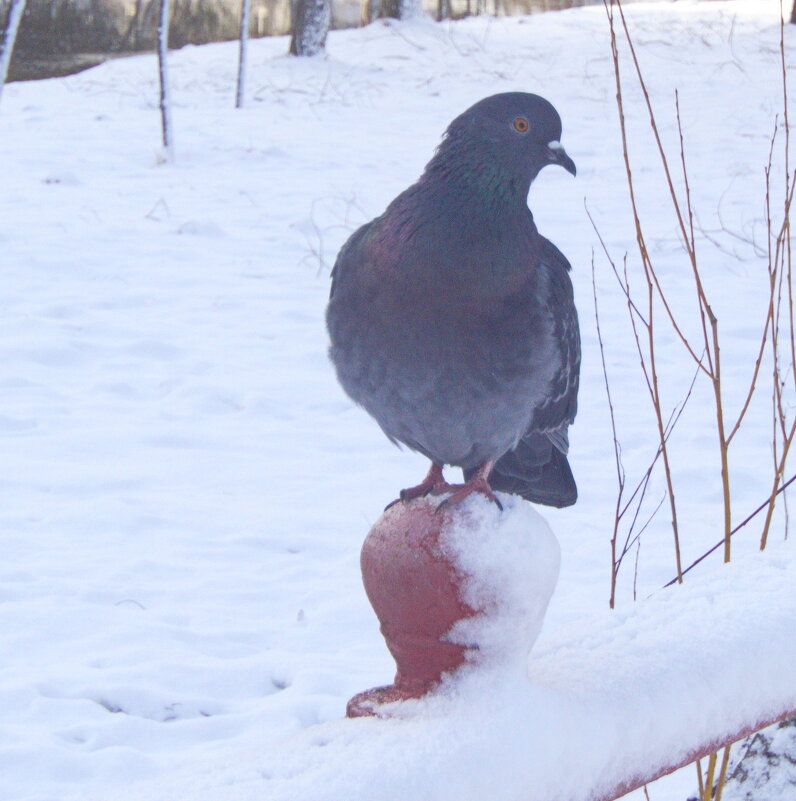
[415, 590]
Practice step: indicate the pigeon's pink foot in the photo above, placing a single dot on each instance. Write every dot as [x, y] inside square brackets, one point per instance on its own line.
[433, 483]
[478, 483]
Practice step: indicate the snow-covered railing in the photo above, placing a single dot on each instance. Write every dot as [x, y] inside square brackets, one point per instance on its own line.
[608, 704]
[702, 751]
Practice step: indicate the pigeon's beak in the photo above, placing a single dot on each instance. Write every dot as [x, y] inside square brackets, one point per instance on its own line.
[557, 155]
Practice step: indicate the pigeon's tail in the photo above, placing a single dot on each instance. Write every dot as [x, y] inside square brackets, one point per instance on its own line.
[536, 470]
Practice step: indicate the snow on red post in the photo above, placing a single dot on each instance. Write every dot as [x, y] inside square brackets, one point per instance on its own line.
[466, 584]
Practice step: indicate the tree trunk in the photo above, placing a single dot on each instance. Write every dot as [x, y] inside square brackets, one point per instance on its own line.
[244, 40]
[310, 25]
[399, 9]
[793, 13]
[130, 40]
[165, 94]
[390, 8]
[15, 12]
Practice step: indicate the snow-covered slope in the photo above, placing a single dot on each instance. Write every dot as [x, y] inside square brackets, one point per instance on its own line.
[183, 487]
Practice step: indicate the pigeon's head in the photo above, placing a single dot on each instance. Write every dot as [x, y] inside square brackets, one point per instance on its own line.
[510, 136]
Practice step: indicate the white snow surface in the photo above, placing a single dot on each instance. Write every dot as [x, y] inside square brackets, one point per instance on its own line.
[184, 488]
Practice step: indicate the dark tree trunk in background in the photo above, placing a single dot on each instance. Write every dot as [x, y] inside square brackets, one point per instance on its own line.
[165, 92]
[390, 8]
[793, 13]
[443, 10]
[397, 9]
[15, 12]
[370, 11]
[130, 40]
[311, 20]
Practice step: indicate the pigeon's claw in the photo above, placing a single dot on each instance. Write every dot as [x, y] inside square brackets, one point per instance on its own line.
[433, 483]
[465, 490]
[478, 483]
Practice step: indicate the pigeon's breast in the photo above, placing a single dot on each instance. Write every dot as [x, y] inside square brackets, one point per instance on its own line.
[452, 375]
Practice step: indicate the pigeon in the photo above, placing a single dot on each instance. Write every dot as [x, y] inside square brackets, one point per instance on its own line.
[452, 320]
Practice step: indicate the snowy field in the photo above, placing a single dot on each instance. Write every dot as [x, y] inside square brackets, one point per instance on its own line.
[184, 489]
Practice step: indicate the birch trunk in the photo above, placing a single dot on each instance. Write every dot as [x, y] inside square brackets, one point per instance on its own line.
[244, 47]
[310, 26]
[15, 12]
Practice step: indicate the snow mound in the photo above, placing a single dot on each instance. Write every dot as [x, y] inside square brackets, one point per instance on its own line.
[511, 560]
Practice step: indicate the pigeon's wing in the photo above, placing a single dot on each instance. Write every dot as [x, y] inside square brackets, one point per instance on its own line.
[557, 412]
[537, 467]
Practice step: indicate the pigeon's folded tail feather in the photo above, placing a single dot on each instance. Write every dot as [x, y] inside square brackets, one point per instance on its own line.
[536, 470]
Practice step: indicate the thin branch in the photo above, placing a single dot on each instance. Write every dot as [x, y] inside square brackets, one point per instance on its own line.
[725, 761]
[623, 130]
[734, 531]
[620, 473]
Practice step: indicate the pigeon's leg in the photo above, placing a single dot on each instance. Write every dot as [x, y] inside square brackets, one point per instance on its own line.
[433, 482]
[478, 483]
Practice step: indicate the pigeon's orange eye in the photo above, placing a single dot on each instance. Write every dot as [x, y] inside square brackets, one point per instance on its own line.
[520, 124]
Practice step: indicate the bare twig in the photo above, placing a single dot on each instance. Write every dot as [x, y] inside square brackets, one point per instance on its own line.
[648, 360]
[620, 473]
[725, 761]
[766, 503]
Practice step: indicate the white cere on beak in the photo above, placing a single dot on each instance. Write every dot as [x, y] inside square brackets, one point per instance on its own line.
[555, 145]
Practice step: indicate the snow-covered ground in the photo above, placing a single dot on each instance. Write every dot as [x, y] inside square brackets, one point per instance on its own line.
[184, 488]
